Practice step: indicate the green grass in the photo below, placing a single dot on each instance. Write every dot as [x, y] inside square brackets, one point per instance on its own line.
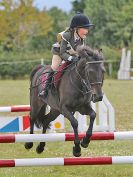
[120, 93]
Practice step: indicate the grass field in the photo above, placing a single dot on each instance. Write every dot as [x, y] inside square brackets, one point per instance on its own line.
[120, 94]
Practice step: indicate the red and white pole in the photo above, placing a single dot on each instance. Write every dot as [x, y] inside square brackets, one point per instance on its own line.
[55, 137]
[21, 108]
[66, 161]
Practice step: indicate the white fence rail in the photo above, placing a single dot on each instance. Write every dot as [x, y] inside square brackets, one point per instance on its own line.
[125, 65]
[105, 120]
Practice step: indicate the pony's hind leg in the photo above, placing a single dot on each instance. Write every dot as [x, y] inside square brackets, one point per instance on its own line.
[29, 145]
[41, 117]
[40, 147]
[52, 115]
[35, 118]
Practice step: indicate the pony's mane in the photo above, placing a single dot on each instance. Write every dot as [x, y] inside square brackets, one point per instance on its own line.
[84, 51]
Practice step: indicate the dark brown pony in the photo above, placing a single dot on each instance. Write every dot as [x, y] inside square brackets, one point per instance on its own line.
[80, 84]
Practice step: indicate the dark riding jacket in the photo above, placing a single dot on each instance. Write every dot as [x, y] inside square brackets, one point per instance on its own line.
[68, 45]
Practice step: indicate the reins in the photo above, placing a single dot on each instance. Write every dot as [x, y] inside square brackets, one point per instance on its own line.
[94, 62]
[82, 82]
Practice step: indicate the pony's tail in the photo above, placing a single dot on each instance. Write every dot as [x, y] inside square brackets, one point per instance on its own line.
[34, 70]
[41, 117]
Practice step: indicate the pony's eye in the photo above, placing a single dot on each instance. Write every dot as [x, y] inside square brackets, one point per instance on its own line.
[91, 72]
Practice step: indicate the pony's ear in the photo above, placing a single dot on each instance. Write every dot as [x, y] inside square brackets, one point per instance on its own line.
[85, 54]
[82, 52]
[100, 50]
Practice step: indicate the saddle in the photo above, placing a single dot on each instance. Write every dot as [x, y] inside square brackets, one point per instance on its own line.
[61, 70]
[56, 78]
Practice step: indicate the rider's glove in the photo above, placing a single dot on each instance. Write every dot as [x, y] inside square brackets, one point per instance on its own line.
[73, 58]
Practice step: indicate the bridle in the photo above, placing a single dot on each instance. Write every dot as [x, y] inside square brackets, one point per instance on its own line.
[95, 62]
[83, 82]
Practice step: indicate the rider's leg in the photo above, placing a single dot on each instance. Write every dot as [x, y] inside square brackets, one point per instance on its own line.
[56, 61]
[47, 84]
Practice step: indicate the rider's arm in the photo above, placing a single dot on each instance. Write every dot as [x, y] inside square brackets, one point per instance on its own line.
[64, 54]
[66, 50]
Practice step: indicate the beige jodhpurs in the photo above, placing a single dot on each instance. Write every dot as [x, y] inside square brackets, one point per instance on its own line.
[56, 61]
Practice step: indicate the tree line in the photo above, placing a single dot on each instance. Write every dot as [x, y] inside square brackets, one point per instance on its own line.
[27, 33]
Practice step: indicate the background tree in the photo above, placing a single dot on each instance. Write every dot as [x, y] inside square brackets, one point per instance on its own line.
[27, 33]
[78, 5]
[121, 26]
[21, 21]
[60, 21]
[110, 18]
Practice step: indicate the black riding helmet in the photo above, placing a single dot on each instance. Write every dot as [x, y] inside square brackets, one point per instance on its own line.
[80, 21]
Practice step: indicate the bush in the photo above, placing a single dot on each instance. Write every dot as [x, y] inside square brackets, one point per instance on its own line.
[18, 64]
[21, 55]
[112, 58]
[111, 53]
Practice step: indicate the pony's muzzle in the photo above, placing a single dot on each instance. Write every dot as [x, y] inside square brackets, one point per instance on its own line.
[96, 98]
[97, 94]
[100, 98]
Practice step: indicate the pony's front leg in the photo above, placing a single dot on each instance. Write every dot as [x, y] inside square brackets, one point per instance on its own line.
[74, 124]
[86, 140]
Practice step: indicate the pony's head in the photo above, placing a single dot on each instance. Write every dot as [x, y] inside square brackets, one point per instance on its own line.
[94, 70]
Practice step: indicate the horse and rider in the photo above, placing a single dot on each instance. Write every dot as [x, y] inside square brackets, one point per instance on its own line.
[66, 45]
[81, 83]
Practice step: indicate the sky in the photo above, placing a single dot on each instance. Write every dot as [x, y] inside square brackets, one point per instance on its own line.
[65, 5]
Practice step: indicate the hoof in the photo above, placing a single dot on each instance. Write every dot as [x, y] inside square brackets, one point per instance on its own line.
[85, 144]
[28, 145]
[76, 153]
[39, 149]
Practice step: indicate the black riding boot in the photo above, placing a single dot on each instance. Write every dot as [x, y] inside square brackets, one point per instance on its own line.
[44, 93]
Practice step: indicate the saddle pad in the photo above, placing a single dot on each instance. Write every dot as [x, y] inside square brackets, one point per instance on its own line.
[44, 76]
[60, 72]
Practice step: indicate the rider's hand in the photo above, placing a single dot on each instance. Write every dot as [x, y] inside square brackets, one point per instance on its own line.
[73, 58]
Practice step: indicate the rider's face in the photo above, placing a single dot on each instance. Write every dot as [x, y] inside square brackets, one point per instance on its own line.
[82, 32]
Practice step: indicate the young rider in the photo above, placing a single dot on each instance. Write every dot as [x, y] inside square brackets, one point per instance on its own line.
[65, 48]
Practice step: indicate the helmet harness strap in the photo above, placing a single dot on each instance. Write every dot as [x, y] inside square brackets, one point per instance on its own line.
[84, 39]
